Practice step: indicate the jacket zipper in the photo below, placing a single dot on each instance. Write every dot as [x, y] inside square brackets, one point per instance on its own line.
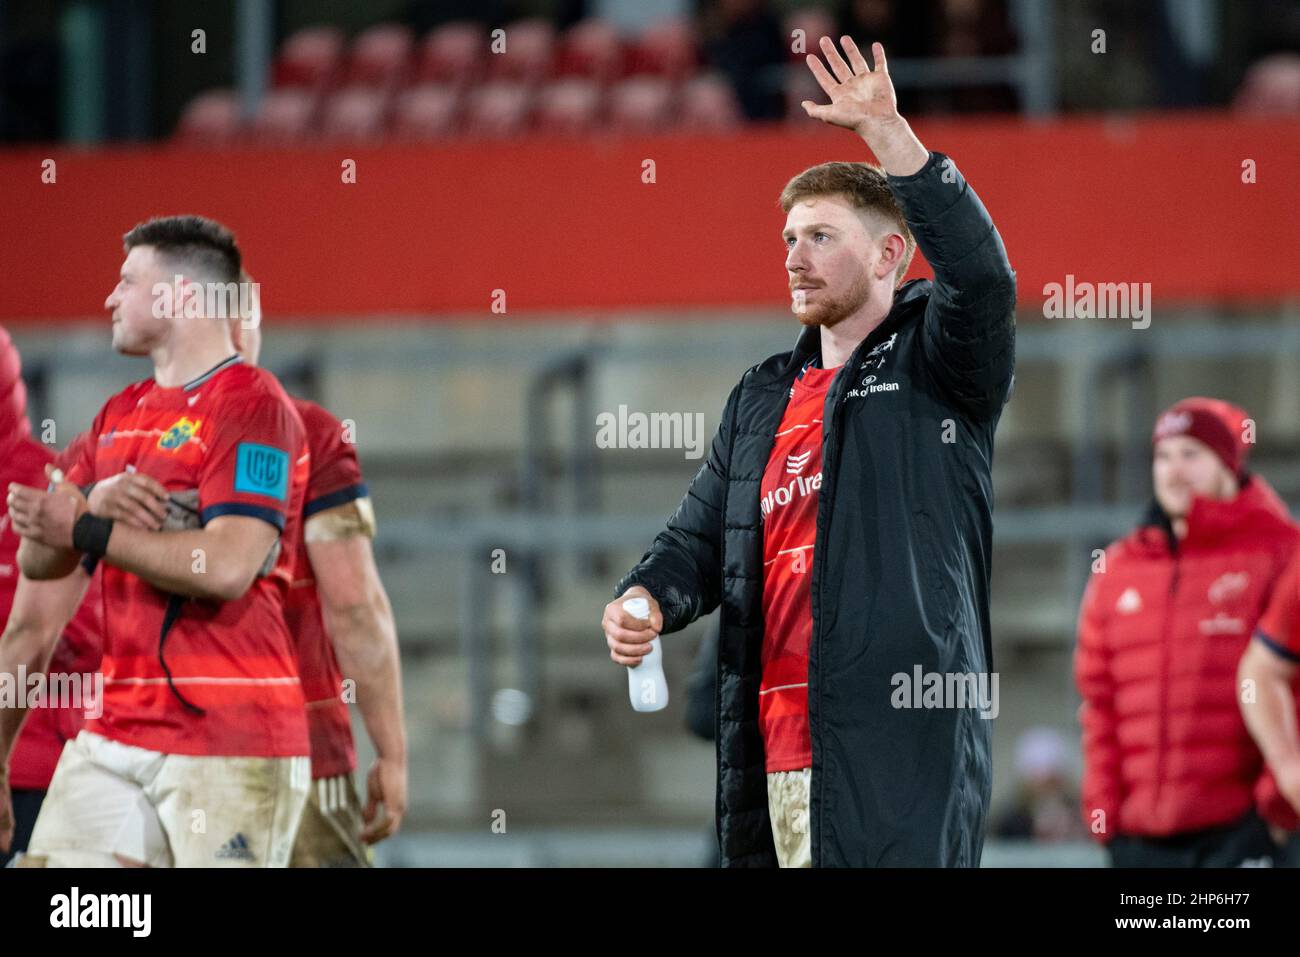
[825, 499]
[1164, 677]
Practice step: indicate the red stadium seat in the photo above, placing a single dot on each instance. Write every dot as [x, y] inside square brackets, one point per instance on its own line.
[381, 57]
[641, 104]
[429, 111]
[815, 24]
[211, 118]
[356, 113]
[453, 53]
[591, 48]
[310, 58]
[709, 104]
[499, 108]
[285, 116]
[669, 48]
[529, 53]
[568, 106]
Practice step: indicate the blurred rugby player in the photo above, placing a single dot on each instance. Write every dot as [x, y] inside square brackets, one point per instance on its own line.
[341, 621]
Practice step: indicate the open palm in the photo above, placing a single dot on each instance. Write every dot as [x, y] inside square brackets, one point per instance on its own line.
[859, 95]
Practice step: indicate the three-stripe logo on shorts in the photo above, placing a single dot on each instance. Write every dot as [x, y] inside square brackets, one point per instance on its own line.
[300, 773]
[331, 794]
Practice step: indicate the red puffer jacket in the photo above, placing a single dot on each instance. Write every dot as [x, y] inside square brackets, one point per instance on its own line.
[1161, 632]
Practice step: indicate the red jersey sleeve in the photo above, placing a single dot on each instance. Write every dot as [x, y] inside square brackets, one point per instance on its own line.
[335, 470]
[1279, 629]
[248, 468]
[78, 459]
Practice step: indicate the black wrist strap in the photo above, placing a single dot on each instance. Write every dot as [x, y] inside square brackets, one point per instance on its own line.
[90, 534]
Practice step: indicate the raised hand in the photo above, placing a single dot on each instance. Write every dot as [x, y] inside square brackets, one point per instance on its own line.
[863, 100]
[860, 96]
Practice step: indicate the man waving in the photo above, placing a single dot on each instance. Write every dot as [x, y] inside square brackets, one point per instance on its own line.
[843, 518]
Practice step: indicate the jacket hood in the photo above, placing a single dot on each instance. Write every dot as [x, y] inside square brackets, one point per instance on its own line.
[13, 394]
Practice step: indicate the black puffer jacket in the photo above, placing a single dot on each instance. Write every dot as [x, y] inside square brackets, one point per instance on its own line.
[901, 567]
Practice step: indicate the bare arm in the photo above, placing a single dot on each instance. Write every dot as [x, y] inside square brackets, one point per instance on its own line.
[219, 561]
[359, 620]
[40, 562]
[1270, 714]
[33, 511]
[41, 610]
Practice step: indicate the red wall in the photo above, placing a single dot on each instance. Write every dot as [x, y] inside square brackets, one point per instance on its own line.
[570, 225]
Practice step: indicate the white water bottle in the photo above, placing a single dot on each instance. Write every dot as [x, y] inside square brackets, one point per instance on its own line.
[646, 686]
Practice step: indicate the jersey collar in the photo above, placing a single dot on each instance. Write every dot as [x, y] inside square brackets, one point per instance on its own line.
[223, 364]
[814, 362]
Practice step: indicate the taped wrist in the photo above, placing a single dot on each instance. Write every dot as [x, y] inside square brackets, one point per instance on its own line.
[90, 534]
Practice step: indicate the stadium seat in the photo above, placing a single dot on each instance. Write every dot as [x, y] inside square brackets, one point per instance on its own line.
[591, 48]
[815, 24]
[285, 116]
[709, 104]
[310, 58]
[356, 113]
[569, 106]
[211, 119]
[381, 57]
[668, 48]
[1271, 87]
[641, 104]
[453, 53]
[800, 85]
[429, 111]
[498, 108]
[529, 53]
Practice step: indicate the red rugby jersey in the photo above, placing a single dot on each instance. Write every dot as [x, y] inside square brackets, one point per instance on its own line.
[234, 435]
[789, 493]
[1279, 628]
[335, 480]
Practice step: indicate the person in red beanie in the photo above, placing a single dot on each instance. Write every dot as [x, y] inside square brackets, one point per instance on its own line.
[1170, 770]
[36, 627]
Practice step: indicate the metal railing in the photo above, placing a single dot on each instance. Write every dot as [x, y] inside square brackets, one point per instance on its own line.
[559, 510]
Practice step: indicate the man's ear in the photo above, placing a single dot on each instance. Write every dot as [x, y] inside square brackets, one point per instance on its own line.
[890, 257]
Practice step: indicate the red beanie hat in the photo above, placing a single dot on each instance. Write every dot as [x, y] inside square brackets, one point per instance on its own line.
[1220, 425]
